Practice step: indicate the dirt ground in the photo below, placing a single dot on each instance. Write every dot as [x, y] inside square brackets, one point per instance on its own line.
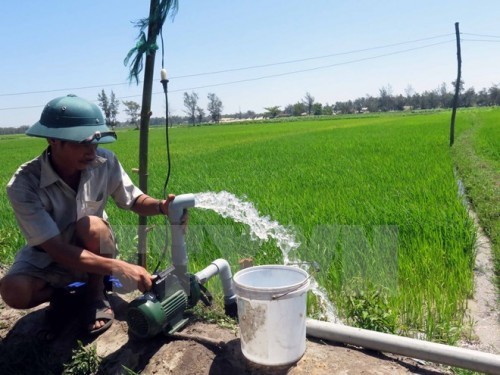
[200, 348]
[484, 309]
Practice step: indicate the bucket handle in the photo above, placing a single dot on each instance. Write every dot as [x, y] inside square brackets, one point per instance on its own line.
[278, 296]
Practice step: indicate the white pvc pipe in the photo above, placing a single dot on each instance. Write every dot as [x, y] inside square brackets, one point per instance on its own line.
[439, 353]
[221, 267]
[176, 210]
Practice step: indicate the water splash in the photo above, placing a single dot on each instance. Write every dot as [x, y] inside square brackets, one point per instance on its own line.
[329, 311]
[263, 228]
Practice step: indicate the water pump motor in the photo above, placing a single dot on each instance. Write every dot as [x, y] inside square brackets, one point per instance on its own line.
[163, 308]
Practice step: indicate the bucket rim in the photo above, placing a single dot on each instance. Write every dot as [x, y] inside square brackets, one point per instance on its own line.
[283, 289]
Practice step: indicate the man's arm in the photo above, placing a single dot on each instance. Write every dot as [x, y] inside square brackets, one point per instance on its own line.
[144, 205]
[80, 259]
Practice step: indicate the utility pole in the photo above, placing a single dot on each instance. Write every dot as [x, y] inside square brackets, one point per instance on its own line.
[147, 91]
[457, 86]
[158, 11]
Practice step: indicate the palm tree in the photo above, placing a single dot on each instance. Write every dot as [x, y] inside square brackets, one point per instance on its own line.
[273, 111]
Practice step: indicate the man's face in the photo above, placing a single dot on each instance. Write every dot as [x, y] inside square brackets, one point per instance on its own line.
[72, 155]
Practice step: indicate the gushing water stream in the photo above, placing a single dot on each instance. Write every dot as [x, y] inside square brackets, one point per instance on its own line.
[263, 228]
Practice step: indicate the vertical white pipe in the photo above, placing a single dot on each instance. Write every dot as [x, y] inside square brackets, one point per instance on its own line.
[175, 211]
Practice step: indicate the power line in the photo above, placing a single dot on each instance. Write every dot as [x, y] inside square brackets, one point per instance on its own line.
[481, 35]
[280, 74]
[29, 107]
[480, 40]
[237, 69]
[311, 58]
[65, 89]
[298, 71]
[315, 68]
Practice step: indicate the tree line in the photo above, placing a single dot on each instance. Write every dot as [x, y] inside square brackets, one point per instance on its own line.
[195, 114]
[440, 98]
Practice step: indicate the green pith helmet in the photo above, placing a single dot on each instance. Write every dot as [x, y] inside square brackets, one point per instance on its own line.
[70, 118]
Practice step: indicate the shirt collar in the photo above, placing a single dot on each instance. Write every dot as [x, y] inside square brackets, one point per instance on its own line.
[49, 175]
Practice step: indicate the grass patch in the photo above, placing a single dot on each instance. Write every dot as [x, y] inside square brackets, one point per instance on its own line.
[84, 360]
[477, 157]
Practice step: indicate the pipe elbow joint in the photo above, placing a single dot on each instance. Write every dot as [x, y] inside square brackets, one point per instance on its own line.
[178, 205]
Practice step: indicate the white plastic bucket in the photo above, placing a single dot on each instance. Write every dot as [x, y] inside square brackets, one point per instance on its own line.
[272, 313]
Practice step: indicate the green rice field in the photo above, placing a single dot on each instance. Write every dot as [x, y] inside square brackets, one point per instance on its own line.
[373, 200]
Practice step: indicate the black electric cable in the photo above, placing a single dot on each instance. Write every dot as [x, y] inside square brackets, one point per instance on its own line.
[167, 141]
[164, 82]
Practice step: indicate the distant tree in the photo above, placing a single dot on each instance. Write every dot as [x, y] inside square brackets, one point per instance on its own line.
[371, 103]
[409, 91]
[399, 102]
[298, 109]
[344, 107]
[308, 101]
[468, 98]
[200, 114]
[109, 107]
[385, 99]
[359, 104]
[103, 100]
[215, 107]
[133, 112]
[317, 108]
[172, 119]
[250, 114]
[288, 110]
[494, 94]
[442, 89]
[13, 130]
[445, 96]
[113, 104]
[440, 97]
[272, 112]
[191, 102]
[327, 110]
[482, 98]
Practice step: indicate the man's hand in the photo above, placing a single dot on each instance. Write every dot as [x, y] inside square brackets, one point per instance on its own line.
[163, 208]
[163, 204]
[133, 276]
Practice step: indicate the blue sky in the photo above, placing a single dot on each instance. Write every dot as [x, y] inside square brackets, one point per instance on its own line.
[270, 52]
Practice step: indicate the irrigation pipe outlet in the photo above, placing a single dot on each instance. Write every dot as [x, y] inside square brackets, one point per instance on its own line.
[438, 353]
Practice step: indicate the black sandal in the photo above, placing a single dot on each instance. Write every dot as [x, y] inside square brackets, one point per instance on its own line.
[98, 310]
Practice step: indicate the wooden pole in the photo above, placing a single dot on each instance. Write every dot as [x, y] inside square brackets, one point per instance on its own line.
[147, 92]
[457, 86]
